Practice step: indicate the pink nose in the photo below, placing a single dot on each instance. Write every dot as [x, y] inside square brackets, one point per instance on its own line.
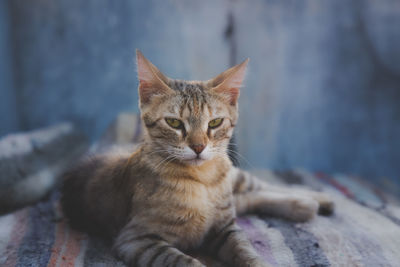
[198, 148]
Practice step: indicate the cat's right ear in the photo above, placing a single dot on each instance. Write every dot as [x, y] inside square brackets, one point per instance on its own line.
[151, 81]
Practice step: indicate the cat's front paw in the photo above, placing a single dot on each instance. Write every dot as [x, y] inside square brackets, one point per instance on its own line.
[302, 209]
[189, 261]
[257, 263]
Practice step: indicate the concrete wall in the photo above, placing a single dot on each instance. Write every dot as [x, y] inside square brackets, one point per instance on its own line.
[322, 90]
[75, 58]
[324, 85]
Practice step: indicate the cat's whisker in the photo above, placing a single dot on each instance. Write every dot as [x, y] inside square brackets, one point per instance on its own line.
[172, 156]
[162, 161]
[234, 144]
[225, 151]
[241, 156]
[169, 161]
[158, 151]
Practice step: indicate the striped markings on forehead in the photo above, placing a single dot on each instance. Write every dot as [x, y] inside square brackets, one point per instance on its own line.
[187, 86]
[193, 103]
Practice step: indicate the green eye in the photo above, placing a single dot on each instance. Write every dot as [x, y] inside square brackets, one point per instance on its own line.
[174, 123]
[215, 123]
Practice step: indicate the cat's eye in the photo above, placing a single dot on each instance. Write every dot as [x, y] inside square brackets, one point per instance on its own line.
[174, 123]
[215, 123]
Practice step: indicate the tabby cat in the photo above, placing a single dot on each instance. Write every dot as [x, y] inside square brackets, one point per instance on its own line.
[179, 190]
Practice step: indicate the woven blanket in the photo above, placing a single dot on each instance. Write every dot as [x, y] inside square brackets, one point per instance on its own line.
[364, 231]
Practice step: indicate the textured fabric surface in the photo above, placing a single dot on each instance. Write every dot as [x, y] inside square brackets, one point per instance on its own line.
[31, 163]
[364, 231]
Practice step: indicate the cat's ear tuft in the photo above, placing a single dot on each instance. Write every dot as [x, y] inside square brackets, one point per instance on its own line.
[151, 80]
[229, 82]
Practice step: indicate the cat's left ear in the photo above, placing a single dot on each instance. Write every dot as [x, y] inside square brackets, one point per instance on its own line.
[229, 82]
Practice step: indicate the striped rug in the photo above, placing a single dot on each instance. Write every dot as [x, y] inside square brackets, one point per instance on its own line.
[364, 231]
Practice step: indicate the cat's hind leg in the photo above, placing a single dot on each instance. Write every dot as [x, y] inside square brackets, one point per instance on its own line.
[291, 207]
[325, 202]
[251, 191]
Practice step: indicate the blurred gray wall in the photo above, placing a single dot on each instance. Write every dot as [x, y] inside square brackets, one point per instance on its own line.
[8, 112]
[322, 92]
[324, 85]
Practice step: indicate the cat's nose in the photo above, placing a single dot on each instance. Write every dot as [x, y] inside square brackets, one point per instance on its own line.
[198, 148]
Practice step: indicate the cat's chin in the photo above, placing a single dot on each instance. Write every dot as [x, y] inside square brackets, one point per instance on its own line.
[194, 162]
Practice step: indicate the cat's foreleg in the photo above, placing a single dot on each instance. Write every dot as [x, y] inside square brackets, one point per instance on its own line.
[230, 244]
[141, 248]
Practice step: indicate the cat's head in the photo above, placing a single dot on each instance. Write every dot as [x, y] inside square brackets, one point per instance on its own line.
[188, 121]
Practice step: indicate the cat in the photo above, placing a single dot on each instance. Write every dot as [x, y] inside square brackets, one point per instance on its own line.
[179, 189]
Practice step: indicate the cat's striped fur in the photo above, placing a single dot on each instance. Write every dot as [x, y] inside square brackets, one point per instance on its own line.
[166, 198]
